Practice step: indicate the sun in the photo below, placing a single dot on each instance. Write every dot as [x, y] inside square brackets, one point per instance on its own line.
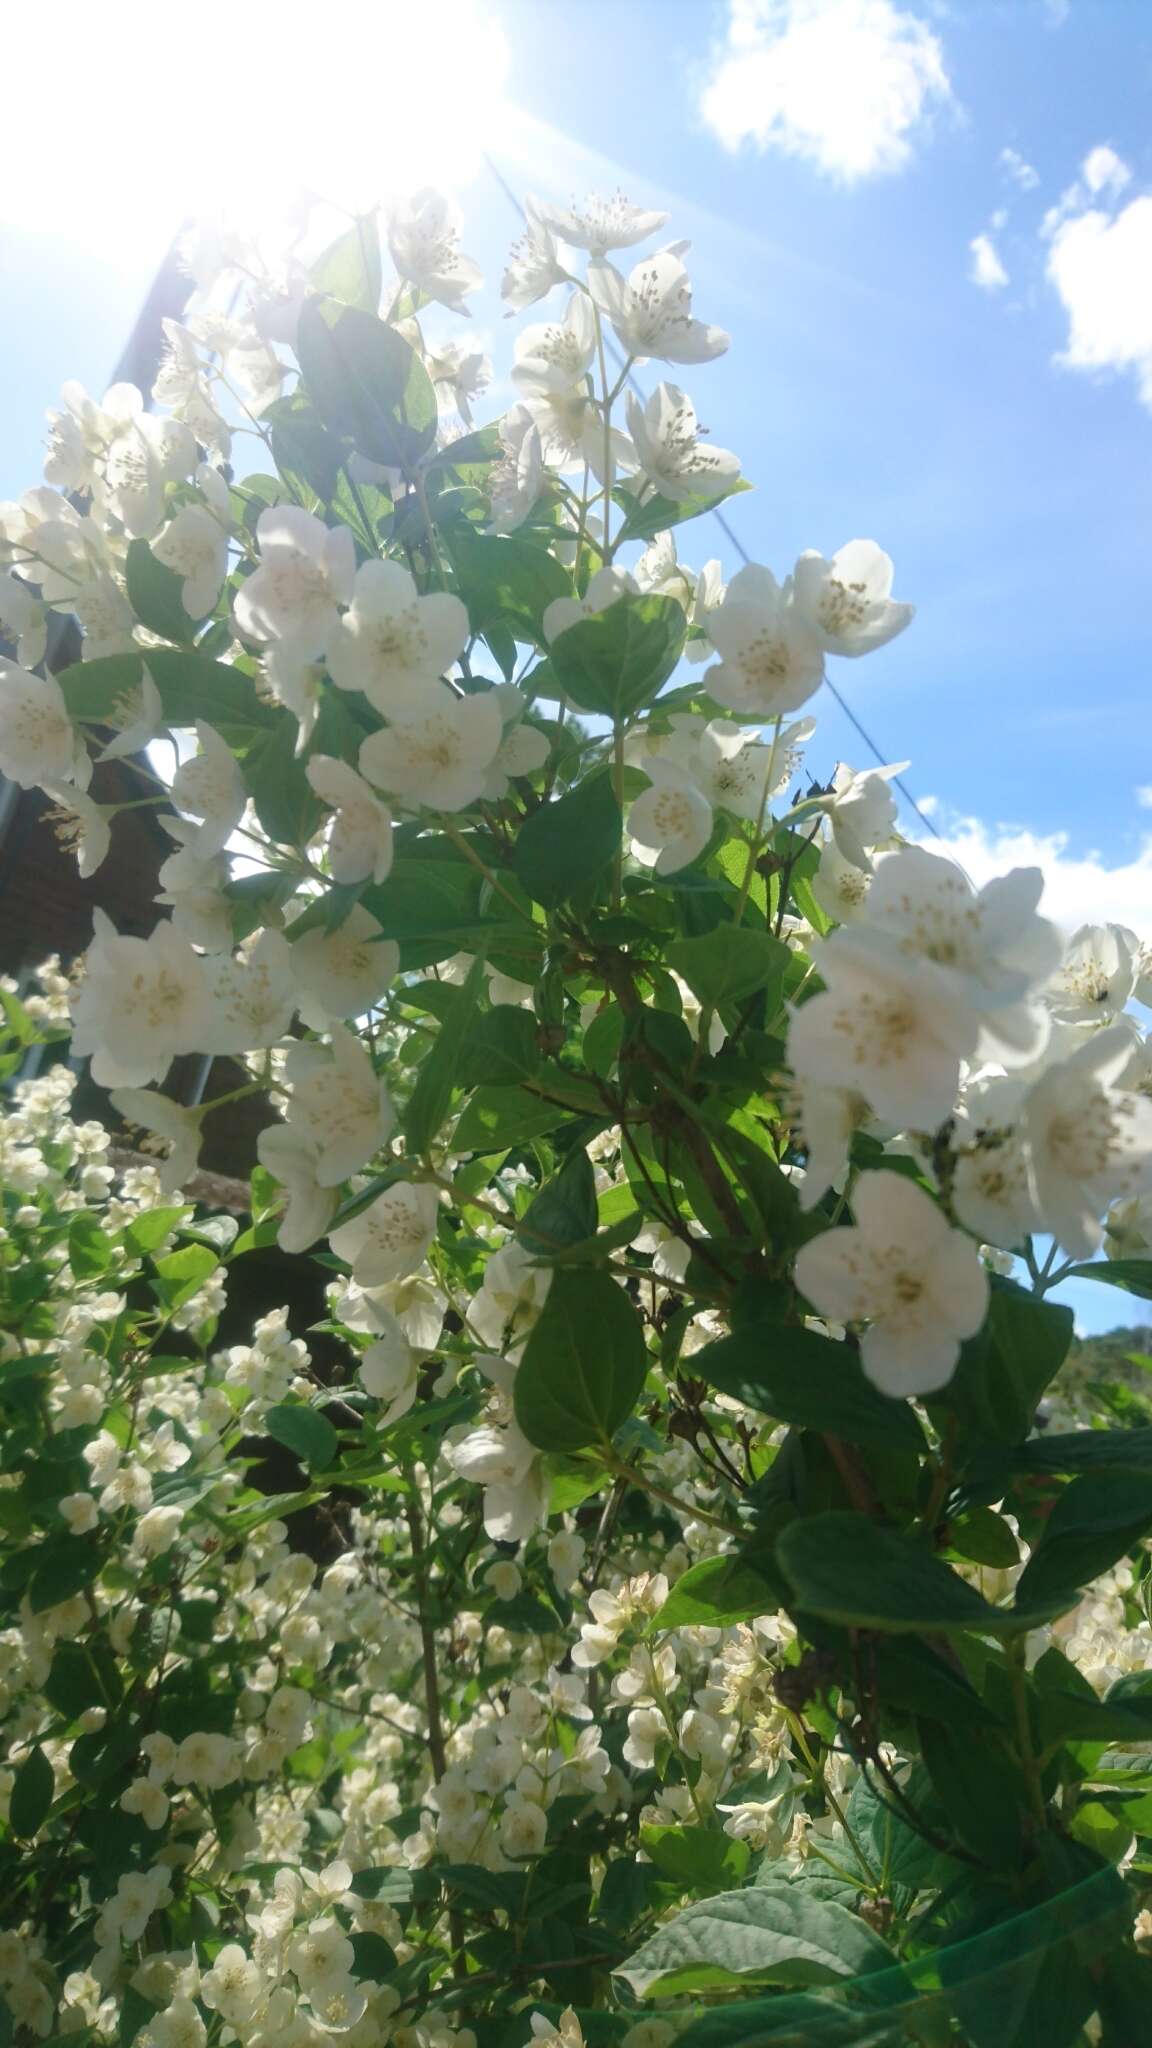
[151, 115]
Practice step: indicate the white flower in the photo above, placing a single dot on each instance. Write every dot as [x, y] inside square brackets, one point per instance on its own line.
[360, 835]
[24, 619]
[651, 310]
[1097, 976]
[605, 221]
[840, 886]
[38, 741]
[566, 1558]
[509, 1469]
[211, 786]
[79, 824]
[884, 1027]
[670, 824]
[458, 376]
[295, 681]
[149, 1800]
[390, 1369]
[177, 1126]
[306, 571]
[389, 1239]
[504, 1578]
[669, 450]
[142, 1001]
[139, 717]
[291, 1158]
[345, 972]
[394, 644]
[157, 1529]
[178, 2026]
[988, 945]
[195, 546]
[848, 601]
[604, 588]
[234, 1986]
[339, 1103]
[861, 810]
[918, 1284]
[770, 659]
[533, 267]
[441, 758]
[1088, 1140]
[992, 1190]
[523, 1827]
[425, 244]
[516, 481]
[80, 1512]
[555, 355]
[255, 997]
[512, 1294]
[825, 1120]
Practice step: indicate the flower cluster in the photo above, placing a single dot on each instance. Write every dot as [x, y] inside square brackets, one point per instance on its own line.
[637, 1522]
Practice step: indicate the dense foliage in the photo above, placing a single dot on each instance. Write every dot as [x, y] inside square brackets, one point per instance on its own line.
[666, 1617]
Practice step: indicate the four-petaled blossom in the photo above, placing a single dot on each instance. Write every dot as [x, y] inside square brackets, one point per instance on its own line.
[141, 1002]
[670, 823]
[511, 1472]
[670, 453]
[360, 835]
[861, 810]
[440, 757]
[394, 644]
[1089, 1140]
[605, 221]
[556, 354]
[1096, 976]
[603, 590]
[390, 1239]
[771, 661]
[195, 546]
[256, 996]
[848, 601]
[38, 741]
[291, 1156]
[533, 265]
[651, 310]
[902, 1269]
[342, 973]
[516, 481]
[390, 1369]
[424, 239]
[79, 824]
[211, 786]
[886, 1027]
[340, 1103]
[306, 571]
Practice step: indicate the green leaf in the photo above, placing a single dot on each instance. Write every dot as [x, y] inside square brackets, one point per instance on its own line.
[506, 580]
[980, 1788]
[501, 1048]
[306, 1432]
[190, 687]
[439, 1070]
[698, 1859]
[308, 457]
[1133, 1275]
[714, 1594]
[564, 1211]
[983, 1537]
[583, 1366]
[1087, 1450]
[83, 1674]
[729, 963]
[180, 1274]
[33, 1790]
[350, 269]
[657, 514]
[848, 1569]
[618, 660]
[282, 796]
[565, 844]
[155, 594]
[150, 1228]
[773, 1933]
[63, 1569]
[387, 1884]
[366, 382]
[1098, 1518]
[90, 1249]
[497, 1118]
[1005, 1368]
[373, 1959]
[807, 1380]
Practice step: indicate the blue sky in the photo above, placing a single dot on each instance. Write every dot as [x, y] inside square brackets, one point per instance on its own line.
[832, 162]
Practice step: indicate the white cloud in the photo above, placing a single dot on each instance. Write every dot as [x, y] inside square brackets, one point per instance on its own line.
[1079, 888]
[986, 269]
[1101, 265]
[1103, 171]
[1019, 170]
[1144, 796]
[843, 84]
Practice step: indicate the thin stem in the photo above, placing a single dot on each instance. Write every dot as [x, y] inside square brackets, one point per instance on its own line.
[470, 854]
[618, 790]
[687, 1509]
[817, 1771]
[1027, 1754]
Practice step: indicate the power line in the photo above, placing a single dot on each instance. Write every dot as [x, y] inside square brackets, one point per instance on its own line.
[737, 544]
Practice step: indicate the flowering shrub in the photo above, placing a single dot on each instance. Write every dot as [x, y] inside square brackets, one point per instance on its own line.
[666, 1619]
